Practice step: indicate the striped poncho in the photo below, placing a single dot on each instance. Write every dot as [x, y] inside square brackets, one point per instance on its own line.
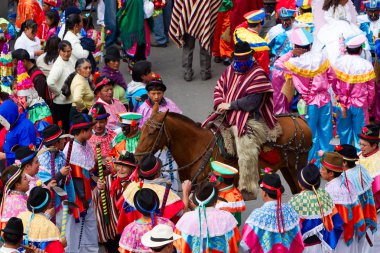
[232, 86]
[196, 18]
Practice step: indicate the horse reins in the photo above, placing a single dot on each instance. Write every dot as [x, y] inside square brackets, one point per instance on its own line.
[161, 126]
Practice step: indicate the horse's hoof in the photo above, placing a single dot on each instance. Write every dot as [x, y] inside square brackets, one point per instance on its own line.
[248, 195]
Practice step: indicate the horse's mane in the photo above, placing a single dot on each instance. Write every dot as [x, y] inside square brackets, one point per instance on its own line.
[184, 118]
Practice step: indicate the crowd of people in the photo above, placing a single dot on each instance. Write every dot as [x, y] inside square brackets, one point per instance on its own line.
[72, 181]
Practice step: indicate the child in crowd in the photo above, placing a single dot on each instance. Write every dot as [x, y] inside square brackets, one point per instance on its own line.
[14, 197]
[52, 21]
[136, 92]
[93, 34]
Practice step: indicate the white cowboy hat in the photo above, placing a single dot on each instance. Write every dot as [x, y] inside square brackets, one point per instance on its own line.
[159, 236]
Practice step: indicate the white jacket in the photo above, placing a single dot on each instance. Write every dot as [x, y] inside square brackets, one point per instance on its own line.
[78, 51]
[31, 46]
[59, 72]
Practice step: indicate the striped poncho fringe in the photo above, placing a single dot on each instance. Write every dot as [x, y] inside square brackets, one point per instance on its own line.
[232, 86]
[107, 231]
[196, 18]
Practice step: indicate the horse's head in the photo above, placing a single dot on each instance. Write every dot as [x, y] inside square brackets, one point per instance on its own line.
[153, 134]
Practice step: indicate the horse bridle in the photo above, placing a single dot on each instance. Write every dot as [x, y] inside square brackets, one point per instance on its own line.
[162, 129]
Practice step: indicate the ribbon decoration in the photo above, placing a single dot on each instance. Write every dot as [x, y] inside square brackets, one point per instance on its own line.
[202, 207]
[279, 214]
[65, 212]
[101, 177]
[68, 157]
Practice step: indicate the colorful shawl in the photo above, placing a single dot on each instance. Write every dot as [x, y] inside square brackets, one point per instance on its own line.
[232, 86]
[346, 201]
[327, 229]
[219, 233]
[114, 75]
[196, 18]
[261, 234]
[362, 182]
[231, 200]
[371, 164]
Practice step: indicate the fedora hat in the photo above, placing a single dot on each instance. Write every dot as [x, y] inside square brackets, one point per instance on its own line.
[81, 121]
[370, 133]
[159, 236]
[14, 227]
[98, 112]
[146, 201]
[332, 161]
[39, 198]
[149, 166]
[309, 176]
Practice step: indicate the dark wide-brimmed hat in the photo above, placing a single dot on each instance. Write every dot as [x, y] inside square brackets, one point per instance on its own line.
[309, 177]
[271, 183]
[370, 133]
[332, 161]
[39, 199]
[126, 159]
[52, 134]
[72, 10]
[98, 112]
[146, 201]
[25, 154]
[112, 53]
[81, 121]
[242, 50]
[348, 152]
[149, 166]
[102, 81]
[14, 227]
[155, 85]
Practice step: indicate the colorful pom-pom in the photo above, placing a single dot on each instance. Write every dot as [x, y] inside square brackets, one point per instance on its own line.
[321, 153]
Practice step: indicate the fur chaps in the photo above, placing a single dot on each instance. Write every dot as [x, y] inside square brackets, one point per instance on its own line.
[248, 148]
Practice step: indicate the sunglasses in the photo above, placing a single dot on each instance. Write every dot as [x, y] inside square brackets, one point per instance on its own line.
[158, 249]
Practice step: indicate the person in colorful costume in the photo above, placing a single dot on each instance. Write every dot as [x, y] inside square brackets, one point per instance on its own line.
[249, 32]
[22, 131]
[160, 239]
[262, 231]
[147, 203]
[14, 198]
[221, 48]
[29, 163]
[39, 230]
[362, 182]
[369, 158]
[241, 7]
[38, 111]
[190, 22]
[30, 9]
[202, 229]
[277, 36]
[135, 36]
[305, 18]
[345, 198]
[12, 235]
[36, 75]
[52, 168]
[270, 17]
[104, 96]
[130, 135]
[370, 25]
[311, 75]
[156, 93]
[230, 198]
[149, 173]
[111, 70]
[354, 90]
[7, 32]
[114, 186]
[81, 224]
[245, 94]
[6, 69]
[100, 132]
[320, 222]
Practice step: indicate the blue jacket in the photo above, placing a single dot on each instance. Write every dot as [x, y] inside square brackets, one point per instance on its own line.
[21, 130]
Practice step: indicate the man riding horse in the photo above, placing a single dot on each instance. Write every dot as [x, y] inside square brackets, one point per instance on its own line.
[244, 94]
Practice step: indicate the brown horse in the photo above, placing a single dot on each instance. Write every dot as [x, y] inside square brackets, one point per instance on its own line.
[192, 145]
